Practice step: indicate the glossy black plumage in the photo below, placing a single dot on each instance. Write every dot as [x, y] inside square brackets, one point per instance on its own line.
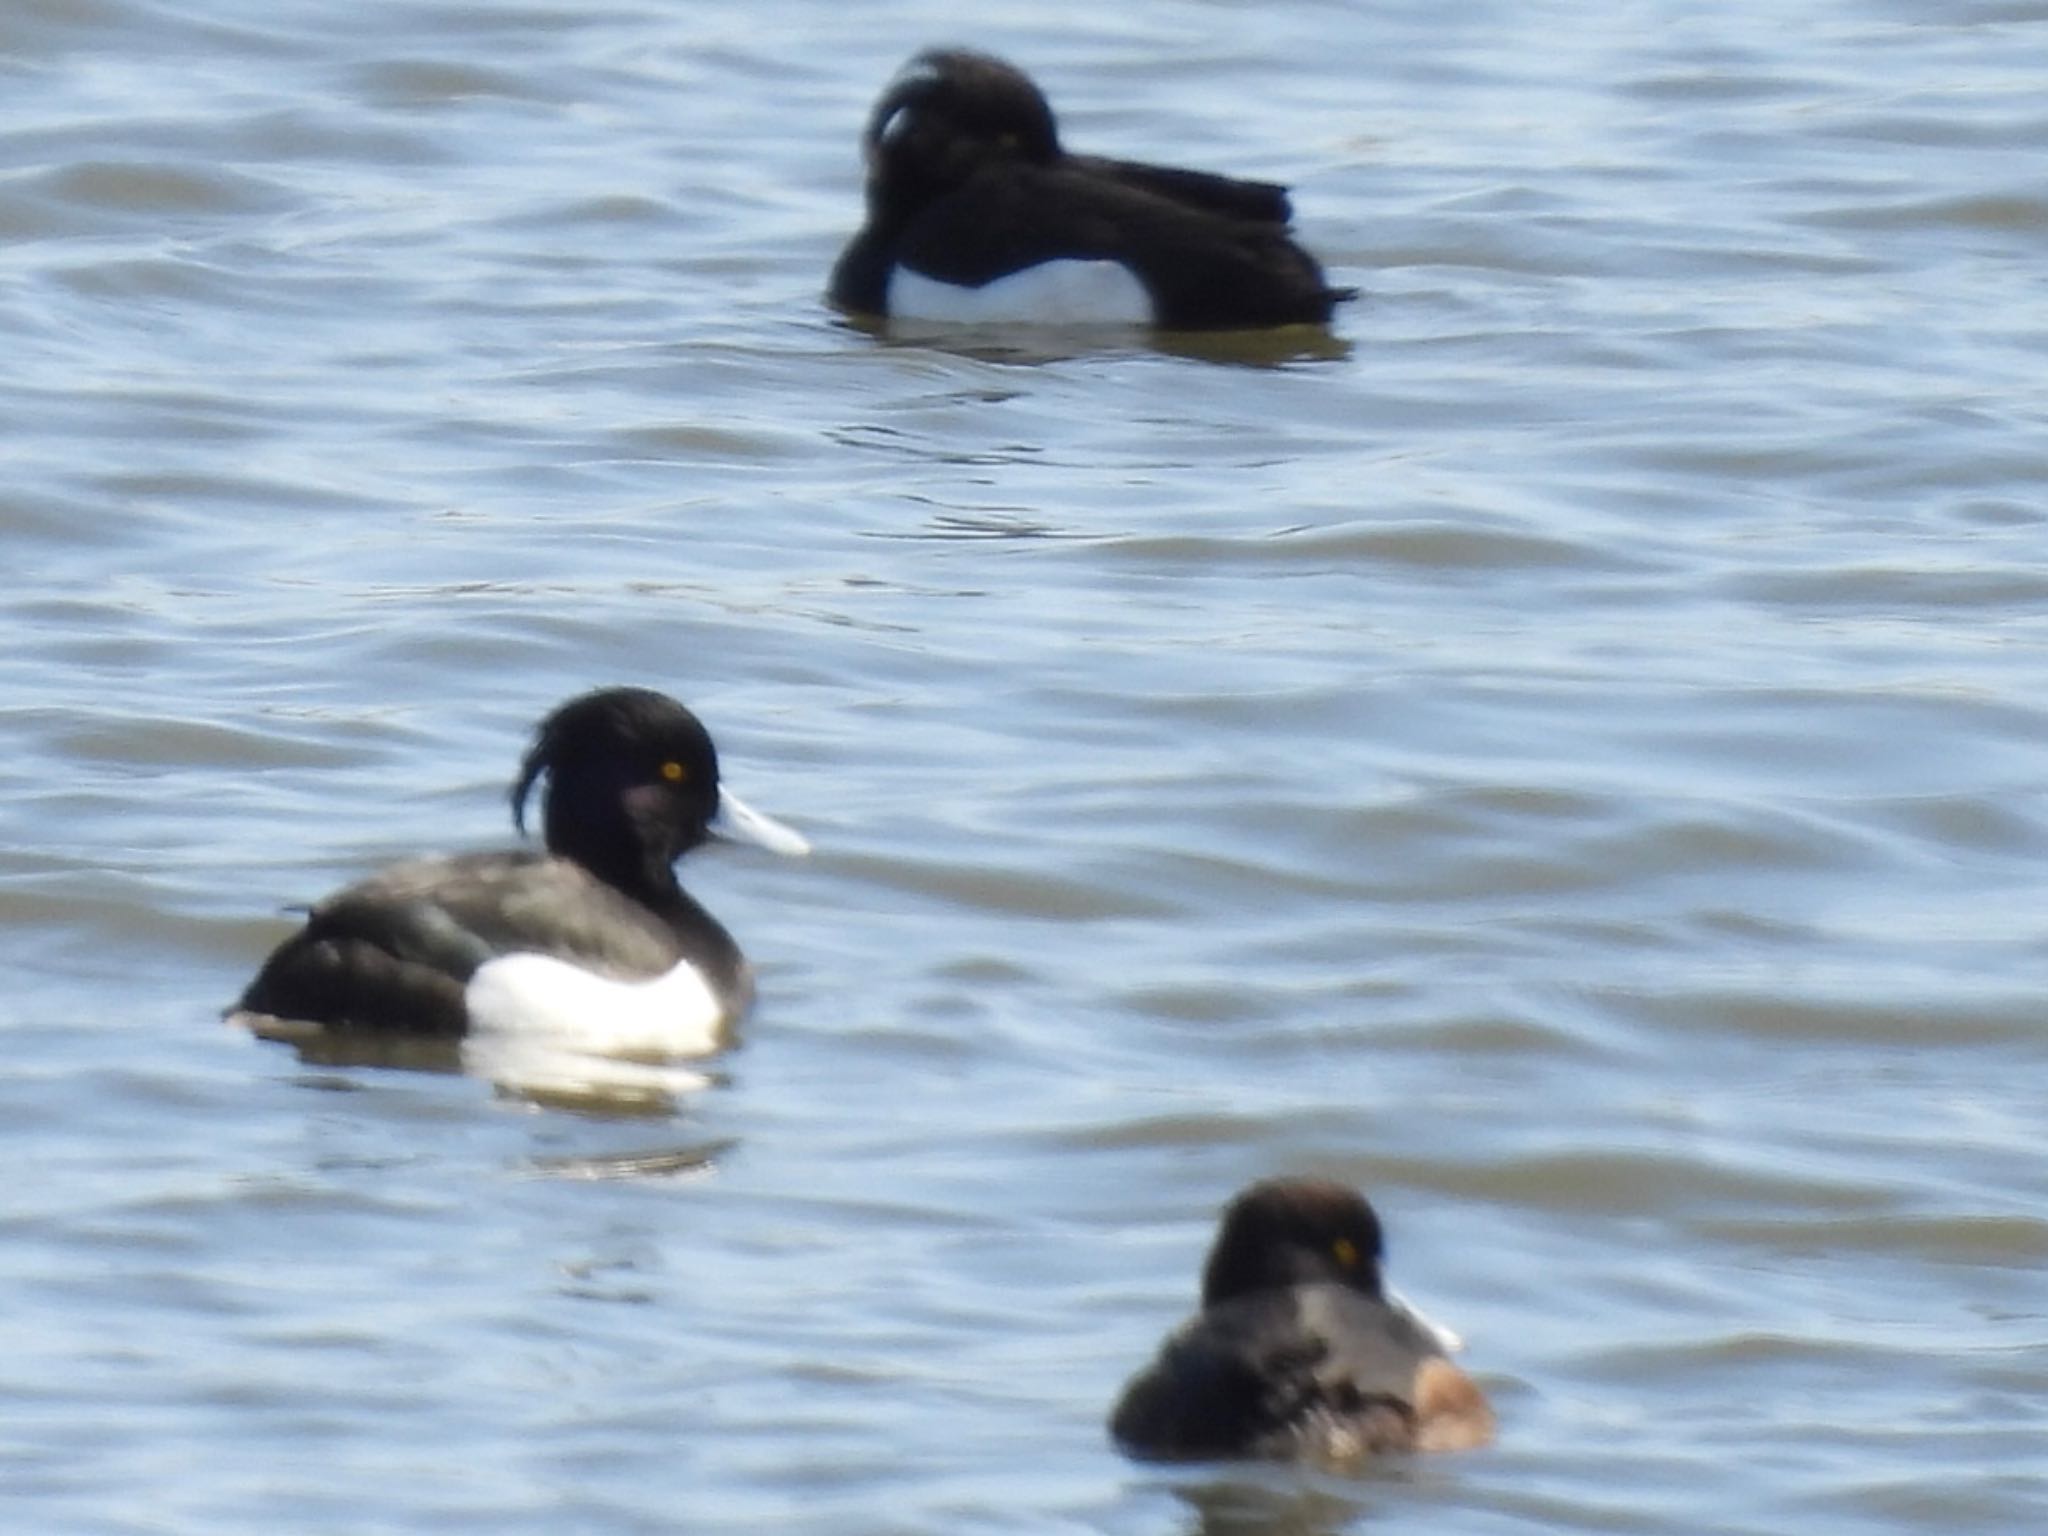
[632, 785]
[1297, 1355]
[967, 183]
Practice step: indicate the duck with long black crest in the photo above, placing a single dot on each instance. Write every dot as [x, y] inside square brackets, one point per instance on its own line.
[591, 945]
[976, 214]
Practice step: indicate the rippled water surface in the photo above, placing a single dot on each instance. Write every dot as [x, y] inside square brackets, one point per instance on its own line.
[1569, 759]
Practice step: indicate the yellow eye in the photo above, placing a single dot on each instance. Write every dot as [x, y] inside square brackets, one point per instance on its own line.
[674, 771]
[1346, 1252]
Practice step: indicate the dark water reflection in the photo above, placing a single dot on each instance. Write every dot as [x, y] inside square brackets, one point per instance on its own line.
[1271, 1508]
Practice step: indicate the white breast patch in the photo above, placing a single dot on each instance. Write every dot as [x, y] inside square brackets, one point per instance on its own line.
[1051, 293]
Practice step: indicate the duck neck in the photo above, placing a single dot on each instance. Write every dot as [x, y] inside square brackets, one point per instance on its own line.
[703, 939]
[615, 853]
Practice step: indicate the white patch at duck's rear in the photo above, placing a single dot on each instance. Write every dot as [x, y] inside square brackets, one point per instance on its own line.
[1069, 292]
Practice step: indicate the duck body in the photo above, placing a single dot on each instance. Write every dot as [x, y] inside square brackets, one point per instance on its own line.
[594, 937]
[975, 213]
[1298, 1354]
[399, 951]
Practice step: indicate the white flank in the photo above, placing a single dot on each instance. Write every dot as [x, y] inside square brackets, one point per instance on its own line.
[1051, 293]
[543, 1028]
[540, 999]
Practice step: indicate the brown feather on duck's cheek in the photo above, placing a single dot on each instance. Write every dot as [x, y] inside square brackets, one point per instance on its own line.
[1451, 1413]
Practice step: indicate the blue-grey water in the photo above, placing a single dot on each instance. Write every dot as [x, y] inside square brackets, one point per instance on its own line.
[1571, 760]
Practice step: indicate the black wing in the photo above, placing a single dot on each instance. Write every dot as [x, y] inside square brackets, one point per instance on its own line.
[1263, 202]
[1314, 1372]
[395, 952]
[1204, 270]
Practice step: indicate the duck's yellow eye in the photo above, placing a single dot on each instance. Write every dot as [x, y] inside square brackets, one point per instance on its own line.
[674, 771]
[1345, 1252]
